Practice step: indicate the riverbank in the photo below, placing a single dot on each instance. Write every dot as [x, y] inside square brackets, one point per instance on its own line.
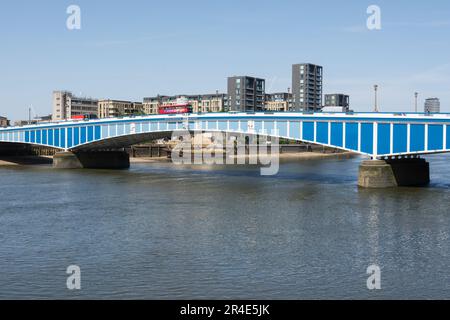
[301, 156]
[149, 159]
[25, 160]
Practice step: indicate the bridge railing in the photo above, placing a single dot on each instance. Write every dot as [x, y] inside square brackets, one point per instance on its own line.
[372, 134]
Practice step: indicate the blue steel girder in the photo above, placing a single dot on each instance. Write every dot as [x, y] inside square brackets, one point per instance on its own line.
[372, 134]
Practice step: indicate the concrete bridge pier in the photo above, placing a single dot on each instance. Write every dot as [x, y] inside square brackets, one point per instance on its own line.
[114, 160]
[403, 172]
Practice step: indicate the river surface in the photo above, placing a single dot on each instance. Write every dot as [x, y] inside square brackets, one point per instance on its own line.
[158, 231]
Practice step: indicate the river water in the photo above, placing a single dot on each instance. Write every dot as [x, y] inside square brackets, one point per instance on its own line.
[159, 231]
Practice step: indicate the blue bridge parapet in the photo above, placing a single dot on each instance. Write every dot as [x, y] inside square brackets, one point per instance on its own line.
[373, 134]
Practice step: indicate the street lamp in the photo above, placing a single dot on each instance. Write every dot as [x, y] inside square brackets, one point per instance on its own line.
[416, 95]
[376, 98]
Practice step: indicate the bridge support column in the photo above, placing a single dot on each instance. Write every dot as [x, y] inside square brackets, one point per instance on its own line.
[390, 173]
[92, 160]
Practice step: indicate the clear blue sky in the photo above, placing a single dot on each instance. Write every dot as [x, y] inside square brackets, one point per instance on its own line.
[132, 49]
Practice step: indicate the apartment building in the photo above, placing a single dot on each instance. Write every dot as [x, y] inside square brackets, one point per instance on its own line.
[200, 103]
[117, 108]
[281, 101]
[66, 105]
[246, 94]
[307, 86]
[338, 100]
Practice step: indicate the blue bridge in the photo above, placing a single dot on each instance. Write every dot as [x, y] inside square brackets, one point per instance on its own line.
[380, 136]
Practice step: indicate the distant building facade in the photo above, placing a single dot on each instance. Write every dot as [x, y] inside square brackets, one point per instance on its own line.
[152, 104]
[66, 105]
[209, 102]
[246, 94]
[117, 108]
[41, 119]
[307, 86]
[4, 122]
[216, 102]
[432, 105]
[34, 121]
[338, 100]
[278, 101]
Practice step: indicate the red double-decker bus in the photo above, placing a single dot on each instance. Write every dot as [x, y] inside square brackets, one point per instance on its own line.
[84, 117]
[176, 109]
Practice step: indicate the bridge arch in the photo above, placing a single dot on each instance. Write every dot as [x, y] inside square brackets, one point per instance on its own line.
[128, 140]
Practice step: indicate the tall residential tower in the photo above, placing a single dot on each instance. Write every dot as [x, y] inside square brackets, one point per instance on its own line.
[246, 94]
[307, 86]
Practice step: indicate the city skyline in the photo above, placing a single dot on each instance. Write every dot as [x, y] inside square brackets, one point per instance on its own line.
[159, 48]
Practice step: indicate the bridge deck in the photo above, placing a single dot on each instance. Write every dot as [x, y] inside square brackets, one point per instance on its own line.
[373, 134]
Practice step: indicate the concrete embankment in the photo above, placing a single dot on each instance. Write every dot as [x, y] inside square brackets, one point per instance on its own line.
[13, 154]
[114, 160]
[25, 160]
[405, 172]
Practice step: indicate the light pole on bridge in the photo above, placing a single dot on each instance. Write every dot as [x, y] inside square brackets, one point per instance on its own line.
[376, 98]
[416, 95]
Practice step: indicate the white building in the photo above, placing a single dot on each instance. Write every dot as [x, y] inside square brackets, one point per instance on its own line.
[66, 105]
[432, 105]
